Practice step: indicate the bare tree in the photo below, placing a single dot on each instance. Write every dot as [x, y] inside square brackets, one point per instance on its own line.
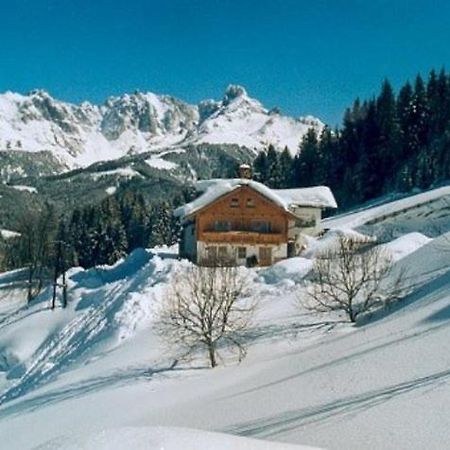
[33, 247]
[205, 309]
[352, 278]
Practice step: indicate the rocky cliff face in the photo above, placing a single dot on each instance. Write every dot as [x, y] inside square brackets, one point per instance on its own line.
[79, 135]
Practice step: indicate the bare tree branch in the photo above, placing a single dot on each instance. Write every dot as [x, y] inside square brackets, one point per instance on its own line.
[204, 308]
[353, 278]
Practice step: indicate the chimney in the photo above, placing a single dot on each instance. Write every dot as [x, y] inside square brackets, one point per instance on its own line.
[245, 171]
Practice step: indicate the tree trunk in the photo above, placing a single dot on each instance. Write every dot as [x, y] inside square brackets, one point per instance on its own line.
[30, 284]
[212, 355]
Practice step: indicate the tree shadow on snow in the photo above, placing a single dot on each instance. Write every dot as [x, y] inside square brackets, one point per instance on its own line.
[429, 291]
[352, 353]
[77, 390]
[288, 421]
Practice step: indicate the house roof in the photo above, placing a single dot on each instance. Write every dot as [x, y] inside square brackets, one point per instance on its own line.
[316, 197]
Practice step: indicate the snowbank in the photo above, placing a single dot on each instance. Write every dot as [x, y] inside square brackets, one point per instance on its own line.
[293, 269]
[406, 244]
[377, 213]
[166, 438]
[330, 241]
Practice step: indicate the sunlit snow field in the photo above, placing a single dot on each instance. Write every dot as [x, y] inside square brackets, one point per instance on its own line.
[96, 374]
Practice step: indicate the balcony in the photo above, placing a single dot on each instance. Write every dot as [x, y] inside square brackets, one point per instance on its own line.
[242, 237]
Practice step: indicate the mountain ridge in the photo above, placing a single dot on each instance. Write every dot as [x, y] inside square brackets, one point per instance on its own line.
[78, 135]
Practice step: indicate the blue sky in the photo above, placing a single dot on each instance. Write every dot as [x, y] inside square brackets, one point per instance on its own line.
[307, 57]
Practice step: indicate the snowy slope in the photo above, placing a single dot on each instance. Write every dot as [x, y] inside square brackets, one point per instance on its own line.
[96, 372]
[241, 120]
[80, 135]
[166, 438]
[426, 212]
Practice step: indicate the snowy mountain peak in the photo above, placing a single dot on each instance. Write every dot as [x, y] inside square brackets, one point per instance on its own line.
[79, 135]
[234, 91]
[147, 113]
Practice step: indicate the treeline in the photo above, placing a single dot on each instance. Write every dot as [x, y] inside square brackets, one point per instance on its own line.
[89, 236]
[104, 233]
[393, 142]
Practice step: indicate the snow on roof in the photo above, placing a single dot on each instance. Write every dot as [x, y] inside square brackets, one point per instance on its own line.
[318, 197]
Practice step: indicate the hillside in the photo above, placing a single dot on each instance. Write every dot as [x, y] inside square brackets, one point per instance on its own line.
[96, 372]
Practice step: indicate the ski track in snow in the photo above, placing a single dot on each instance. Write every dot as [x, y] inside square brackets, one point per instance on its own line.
[308, 377]
[87, 329]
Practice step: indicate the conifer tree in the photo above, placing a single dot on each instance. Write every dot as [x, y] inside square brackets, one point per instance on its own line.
[285, 164]
[260, 167]
[274, 176]
[307, 160]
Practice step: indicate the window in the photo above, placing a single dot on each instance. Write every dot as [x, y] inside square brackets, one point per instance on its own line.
[305, 222]
[261, 226]
[250, 203]
[223, 253]
[222, 225]
[234, 202]
[242, 252]
[211, 253]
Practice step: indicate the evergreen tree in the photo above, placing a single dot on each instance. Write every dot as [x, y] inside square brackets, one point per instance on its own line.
[285, 165]
[274, 177]
[162, 231]
[260, 167]
[307, 160]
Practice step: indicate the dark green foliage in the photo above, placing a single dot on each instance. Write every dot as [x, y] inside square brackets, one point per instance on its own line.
[103, 233]
[285, 164]
[388, 143]
[260, 167]
[307, 162]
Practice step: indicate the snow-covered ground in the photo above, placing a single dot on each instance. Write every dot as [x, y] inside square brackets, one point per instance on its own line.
[96, 375]
[165, 438]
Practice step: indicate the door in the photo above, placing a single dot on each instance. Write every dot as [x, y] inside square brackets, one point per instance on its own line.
[265, 256]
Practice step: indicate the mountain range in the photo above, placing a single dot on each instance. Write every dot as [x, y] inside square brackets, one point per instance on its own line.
[76, 136]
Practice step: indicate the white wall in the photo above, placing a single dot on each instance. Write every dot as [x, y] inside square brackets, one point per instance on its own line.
[296, 232]
[278, 251]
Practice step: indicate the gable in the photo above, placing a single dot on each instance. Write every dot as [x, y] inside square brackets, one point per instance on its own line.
[243, 201]
[215, 189]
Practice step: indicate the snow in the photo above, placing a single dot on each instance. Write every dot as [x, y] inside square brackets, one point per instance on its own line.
[160, 163]
[165, 438]
[318, 197]
[96, 375]
[8, 234]
[405, 245]
[373, 214]
[81, 135]
[331, 239]
[242, 120]
[293, 269]
[126, 172]
[30, 189]
[111, 190]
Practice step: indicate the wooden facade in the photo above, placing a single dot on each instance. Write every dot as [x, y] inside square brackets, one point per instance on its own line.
[243, 218]
[243, 210]
[244, 222]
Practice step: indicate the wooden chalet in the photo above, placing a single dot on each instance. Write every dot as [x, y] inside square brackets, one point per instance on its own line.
[243, 222]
